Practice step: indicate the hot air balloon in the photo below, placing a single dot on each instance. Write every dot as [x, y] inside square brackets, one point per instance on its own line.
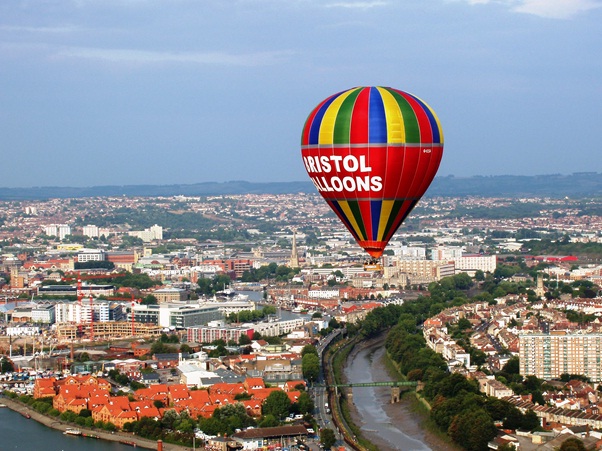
[372, 152]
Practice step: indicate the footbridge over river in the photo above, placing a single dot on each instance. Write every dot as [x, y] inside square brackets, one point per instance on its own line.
[396, 387]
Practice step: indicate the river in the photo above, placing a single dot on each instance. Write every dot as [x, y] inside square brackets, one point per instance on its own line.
[388, 426]
[18, 432]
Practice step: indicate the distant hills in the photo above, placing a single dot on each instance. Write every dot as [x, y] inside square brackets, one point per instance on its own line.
[579, 184]
[555, 185]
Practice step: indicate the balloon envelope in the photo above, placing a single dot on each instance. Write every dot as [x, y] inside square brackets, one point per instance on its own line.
[372, 152]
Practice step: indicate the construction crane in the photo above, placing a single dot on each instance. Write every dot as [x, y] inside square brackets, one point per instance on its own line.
[79, 277]
[134, 301]
[91, 319]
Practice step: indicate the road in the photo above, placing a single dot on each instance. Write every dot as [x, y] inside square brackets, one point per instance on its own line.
[319, 393]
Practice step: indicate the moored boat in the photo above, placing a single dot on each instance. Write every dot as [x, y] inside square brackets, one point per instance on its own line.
[72, 431]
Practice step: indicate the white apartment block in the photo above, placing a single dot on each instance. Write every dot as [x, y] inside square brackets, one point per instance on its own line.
[547, 356]
[229, 307]
[207, 334]
[22, 331]
[409, 252]
[147, 235]
[476, 262]
[448, 253]
[324, 294]
[276, 328]
[88, 255]
[43, 313]
[58, 230]
[73, 312]
[428, 270]
[91, 231]
[348, 271]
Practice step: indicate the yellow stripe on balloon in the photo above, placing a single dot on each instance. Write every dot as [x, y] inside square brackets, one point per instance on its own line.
[395, 127]
[351, 218]
[326, 135]
[385, 212]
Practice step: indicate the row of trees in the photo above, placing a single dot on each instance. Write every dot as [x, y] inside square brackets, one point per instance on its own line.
[249, 316]
[278, 273]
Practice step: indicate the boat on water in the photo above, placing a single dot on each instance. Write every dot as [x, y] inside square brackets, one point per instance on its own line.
[72, 431]
[90, 435]
[2, 405]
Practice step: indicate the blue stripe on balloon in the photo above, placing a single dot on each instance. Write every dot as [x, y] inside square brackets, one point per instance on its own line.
[377, 133]
[375, 209]
[314, 131]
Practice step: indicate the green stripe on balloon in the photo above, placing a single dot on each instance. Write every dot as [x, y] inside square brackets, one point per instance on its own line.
[357, 214]
[342, 125]
[394, 212]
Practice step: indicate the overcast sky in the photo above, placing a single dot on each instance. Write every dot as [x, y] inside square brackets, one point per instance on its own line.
[104, 92]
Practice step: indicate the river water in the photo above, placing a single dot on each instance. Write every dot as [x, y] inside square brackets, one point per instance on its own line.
[20, 433]
[388, 426]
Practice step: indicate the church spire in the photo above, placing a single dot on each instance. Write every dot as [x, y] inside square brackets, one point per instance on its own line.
[294, 261]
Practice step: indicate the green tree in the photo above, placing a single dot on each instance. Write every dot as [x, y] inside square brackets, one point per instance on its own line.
[472, 429]
[244, 340]
[159, 347]
[309, 349]
[159, 404]
[310, 365]
[6, 366]
[464, 324]
[305, 404]
[277, 404]
[327, 438]
[530, 421]
[149, 300]
[512, 366]
[213, 426]
[268, 421]
[572, 444]
[462, 281]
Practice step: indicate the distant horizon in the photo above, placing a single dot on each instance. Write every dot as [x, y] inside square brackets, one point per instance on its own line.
[283, 182]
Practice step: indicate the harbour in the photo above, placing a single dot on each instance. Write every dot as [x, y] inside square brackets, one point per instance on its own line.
[21, 433]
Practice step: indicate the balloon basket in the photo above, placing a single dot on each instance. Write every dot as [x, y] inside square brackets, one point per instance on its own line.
[373, 265]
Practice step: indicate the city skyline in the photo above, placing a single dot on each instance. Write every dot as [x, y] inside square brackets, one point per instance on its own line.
[158, 93]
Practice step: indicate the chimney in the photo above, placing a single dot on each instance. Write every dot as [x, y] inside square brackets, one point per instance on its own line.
[159, 445]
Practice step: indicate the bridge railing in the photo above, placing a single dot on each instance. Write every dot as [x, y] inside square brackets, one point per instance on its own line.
[413, 384]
